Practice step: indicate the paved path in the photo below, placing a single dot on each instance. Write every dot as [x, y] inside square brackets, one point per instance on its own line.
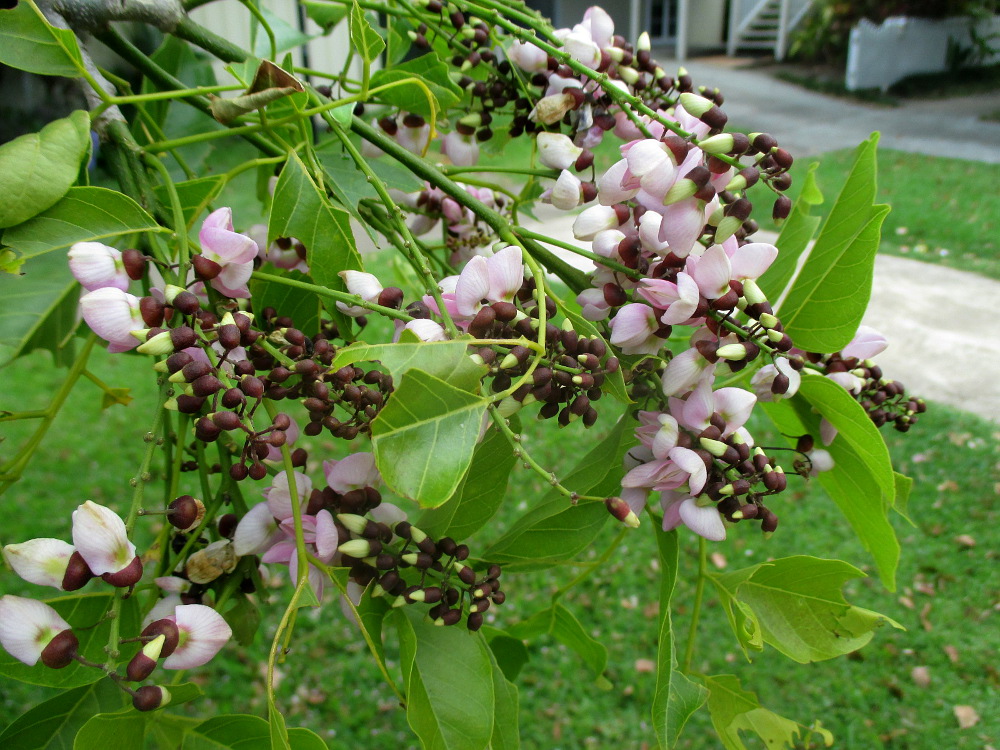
[808, 123]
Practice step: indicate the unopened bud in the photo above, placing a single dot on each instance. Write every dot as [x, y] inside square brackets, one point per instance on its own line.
[621, 511]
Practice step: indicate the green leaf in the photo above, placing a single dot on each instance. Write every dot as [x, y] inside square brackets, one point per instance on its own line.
[365, 39]
[447, 360]
[270, 83]
[824, 305]
[85, 214]
[509, 653]
[301, 306]
[398, 45]
[300, 210]
[506, 735]
[555, 529]
[801, 610]
[165, 730]
[560, 623]
[840, 409]
[676, 696]
[286, 36]
[372, 611]
[244, 619]
[449, 684]
[480, 494]
[797, 232]
[229, 731]
[411, 97]
[38, 310]
[325, 14]
[301, 738]
[734, 709]
[194, 195]
[28, 42]
[904, 485]
[81, 612]
[52, 725]
[742, 619]
[40, 167]
[850, 484]
[122, 731]
[425, 436]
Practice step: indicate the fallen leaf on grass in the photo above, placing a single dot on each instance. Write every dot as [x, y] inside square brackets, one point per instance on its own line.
[925, 617]
[948, 485]
[965, 540]
[966, 715]
[718, 560]
[645, 665]
[921, 676]
[952, 654]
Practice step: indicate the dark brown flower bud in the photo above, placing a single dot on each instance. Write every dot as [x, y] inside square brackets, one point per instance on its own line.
[189, 404]
[77, 573]
[151, 310]
[166, 628]
[135, 263]
[150, 698]
[127, 576]
[186, 302]
[183, 337]
[204, 268]
[186, 512]
[59, 652]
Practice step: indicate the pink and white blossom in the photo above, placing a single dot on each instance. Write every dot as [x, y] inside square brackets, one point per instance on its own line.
[633, 330]
[867, 343]
[233, 251]
[703, 520]
[27, 626]
[100, 537]
[40, 561]
[202, 632]
[95, 266]
[356, 471]
[557, 150]
[113, 315]
[364, 285]
[494, 279]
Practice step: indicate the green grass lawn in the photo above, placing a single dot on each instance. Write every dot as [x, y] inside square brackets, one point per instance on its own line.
[947, 598]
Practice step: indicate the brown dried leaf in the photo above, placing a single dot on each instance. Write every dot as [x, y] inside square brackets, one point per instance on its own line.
[718, 560]
[924, 617]
[948, 485]
[269, 84]
[965, 540]
[921, 676]
[952, 653]
[966, 715]
[906, 602]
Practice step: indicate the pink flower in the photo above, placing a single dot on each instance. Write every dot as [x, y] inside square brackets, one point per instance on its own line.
[703, 520]
[556, 150]
[96, 266]
[354, 472]
[365, 285]
[113, 314]
[202, 633]
[678, 300]
[279, 496]
[867, 343]
[733, 404]
[40, 561]
[763, 379]
[27, 627]
[100, 537]
[565, 194]
[233, 251]
[633, 330]
[495, 279]
[527, 57]
[463, 150]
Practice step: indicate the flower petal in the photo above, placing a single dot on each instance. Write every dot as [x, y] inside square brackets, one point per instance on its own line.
[100, 537]
[206, 633]
[40, 561]
[27, 626]
[704, 522]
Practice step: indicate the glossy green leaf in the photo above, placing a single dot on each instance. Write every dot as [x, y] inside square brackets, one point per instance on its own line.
[446, 360]
[676, 696]
[800, 607]
[300, 210]
[286, 37]
[364, 38]
[244, 619]
[736, 710]
[40, 167]
[425, 436]
[53, 724]
[398, 42]
[165, 730]
[29, 42]
[506, 735]
[325, 14]
[562, 625]
[509, 653]
[850, 484]
[372, 611]
[796, 233]
[80, 611]
[904, 485]
[411, 97]
[300, 305]
[742, 619]
[555, 529]
[84, 214]
[824, 305]
[229, 731]
[480, 494]
[449, 683]
[277, 731]
[122, 731]
[832, 402]
[38, 310]
[193, 195]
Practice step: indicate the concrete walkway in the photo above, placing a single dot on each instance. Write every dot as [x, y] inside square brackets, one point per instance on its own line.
[940, 345]
[808, 123]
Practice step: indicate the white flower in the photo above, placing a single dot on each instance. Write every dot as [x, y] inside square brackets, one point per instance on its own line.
[40, 561]
[100, 537]
[27, 627]
[202, 633]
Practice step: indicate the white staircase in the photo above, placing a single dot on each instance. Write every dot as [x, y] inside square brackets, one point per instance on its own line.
[763, 24]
